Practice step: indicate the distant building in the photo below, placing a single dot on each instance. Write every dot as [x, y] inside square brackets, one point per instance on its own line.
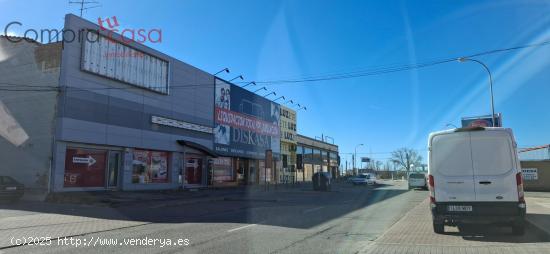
[313, 156]
[535, 167]
[287, 124]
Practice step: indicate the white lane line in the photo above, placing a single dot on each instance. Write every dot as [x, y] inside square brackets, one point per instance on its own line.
[239, 228]
[313, 209]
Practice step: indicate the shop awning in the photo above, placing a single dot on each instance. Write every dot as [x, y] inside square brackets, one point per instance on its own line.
[199, 147]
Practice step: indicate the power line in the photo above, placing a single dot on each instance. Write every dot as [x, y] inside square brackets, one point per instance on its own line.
[336, 76]
[398, 68]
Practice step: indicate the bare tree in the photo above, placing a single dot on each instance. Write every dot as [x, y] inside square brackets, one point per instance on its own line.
[405, 157]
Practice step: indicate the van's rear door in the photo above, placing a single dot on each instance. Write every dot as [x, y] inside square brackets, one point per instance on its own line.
[493, 155]
[451, 167]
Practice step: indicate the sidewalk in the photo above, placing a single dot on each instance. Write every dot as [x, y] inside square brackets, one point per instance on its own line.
[538, 210]
[414, 234]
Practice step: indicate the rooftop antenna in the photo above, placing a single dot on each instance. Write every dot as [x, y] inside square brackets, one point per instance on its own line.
[84, 5]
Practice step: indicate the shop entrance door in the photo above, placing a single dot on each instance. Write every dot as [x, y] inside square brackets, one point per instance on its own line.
[113, 169]
[193, 170]
[252, 172]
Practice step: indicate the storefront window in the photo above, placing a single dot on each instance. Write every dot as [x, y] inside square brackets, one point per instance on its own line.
[316, 154]
[85, 167]
[264, 172]
[223, 172]
[308, 153]
[193, 169]
[299, 150]
[150, 167]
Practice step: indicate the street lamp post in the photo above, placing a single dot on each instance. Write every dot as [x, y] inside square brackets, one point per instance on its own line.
[355, 157]
[464, 59]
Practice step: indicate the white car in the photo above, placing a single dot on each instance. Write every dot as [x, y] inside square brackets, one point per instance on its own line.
[475, 177]
[367, 179]
[417, 180]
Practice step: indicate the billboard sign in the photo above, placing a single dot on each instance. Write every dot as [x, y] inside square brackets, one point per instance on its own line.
[245, 124]
[482, 121]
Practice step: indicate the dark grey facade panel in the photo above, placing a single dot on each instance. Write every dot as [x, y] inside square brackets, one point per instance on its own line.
[96, 99]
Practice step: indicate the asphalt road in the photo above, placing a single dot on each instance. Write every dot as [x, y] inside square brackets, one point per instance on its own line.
[349, 219]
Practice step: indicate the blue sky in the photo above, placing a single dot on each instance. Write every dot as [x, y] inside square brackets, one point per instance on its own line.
[267, 40]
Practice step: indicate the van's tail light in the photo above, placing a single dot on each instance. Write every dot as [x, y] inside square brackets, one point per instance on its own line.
[521, 195]
[431, 182]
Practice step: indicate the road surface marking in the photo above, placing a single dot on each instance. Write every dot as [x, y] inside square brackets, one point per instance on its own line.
[239, 228]
[313, 209]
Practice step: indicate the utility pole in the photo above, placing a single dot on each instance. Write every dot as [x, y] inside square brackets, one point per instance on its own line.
[464, 59]
[83, 5]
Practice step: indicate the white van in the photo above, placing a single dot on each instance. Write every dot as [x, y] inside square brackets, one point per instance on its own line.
[417, 180]
[475, 177]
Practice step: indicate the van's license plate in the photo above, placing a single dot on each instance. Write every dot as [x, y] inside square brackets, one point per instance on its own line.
[459, 208]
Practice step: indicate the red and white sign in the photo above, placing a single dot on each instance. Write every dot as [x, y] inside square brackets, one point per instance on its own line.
[85, 167]
[85, 160]
[246, 122]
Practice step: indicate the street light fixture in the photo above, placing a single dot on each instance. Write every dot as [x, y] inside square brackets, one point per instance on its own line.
[238, 77]
[355, 157]
[249, 83]
[263, 88]
[280, 97]
[226, 70]
[450, 124]
[464, 59]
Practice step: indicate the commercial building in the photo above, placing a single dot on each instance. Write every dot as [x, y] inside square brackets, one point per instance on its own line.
[103, 113]
[535, 168]
[246, 136]
[287, 125]
[314, 156]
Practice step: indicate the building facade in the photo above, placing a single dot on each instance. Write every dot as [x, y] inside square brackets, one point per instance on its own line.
[102, 112]
[27, 113]
[120, 115]
[287, 125]
[246, 136]
[314, 156]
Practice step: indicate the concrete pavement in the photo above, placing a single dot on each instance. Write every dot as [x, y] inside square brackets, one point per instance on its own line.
[414, 234]
[350, 219]
[538, 210]
[346, 218]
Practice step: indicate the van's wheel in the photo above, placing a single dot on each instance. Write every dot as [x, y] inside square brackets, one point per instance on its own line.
[518, 228]
[439, 228]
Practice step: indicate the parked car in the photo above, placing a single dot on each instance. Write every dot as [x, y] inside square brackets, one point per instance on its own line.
[322, 181]
[10, 189]
[368, 179]
[475, 177]
[417, 180]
